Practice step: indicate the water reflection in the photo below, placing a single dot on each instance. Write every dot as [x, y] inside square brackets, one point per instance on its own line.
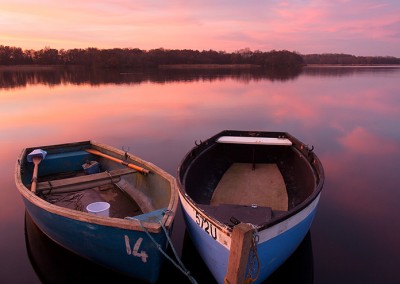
[23, 76]
[340, 71]
[54, 264]
[17, 77]
[350, 115]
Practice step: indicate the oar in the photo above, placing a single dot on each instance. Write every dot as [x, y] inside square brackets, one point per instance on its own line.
[36, 156]
[132, 166]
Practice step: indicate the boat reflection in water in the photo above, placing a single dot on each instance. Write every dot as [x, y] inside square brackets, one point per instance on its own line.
[54, 264]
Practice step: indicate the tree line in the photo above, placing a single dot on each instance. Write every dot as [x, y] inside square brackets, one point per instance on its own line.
[347, 59]
[137, 58]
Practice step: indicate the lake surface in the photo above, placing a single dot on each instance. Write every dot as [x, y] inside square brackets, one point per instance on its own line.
[350, 115]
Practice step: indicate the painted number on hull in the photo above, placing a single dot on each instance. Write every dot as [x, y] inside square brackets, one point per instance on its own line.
[206, 225]
[135, 251]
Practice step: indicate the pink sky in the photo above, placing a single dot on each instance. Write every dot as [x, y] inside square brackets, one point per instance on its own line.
[360, 27]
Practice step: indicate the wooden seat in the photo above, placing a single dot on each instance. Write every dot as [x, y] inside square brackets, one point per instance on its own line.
[83, 182]
[230, 214]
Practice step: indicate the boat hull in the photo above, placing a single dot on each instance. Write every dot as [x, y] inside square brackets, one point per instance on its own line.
[127, 245]
[125, 251]
[269, 181]
[275, 244]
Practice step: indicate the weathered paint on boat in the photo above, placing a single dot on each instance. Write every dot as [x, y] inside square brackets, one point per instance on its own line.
[120, 244]
[277, 238]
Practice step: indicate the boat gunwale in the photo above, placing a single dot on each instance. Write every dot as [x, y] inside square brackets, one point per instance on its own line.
[131, 224]
[313, 161]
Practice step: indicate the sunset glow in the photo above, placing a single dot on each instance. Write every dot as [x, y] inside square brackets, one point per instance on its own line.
[363, 28]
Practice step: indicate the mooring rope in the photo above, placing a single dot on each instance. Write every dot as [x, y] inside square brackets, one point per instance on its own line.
[254, 259]
[178, 265]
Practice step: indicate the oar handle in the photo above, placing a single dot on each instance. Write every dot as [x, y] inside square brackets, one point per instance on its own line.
[132, 166]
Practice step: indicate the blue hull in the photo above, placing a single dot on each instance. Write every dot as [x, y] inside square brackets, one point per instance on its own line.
[272, 252]
[276, 251]
[111, 247]
[132, 242]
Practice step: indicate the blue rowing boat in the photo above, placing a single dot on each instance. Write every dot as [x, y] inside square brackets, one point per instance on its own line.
[101, 203]
[248, 200]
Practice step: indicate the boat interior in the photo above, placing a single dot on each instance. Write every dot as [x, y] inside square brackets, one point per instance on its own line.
[75, 178]
[121, 203]
[247, 183]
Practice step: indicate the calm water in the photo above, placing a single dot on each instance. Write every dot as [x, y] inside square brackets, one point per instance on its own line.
[350, 115]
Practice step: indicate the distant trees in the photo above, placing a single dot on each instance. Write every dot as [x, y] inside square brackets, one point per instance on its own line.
[136, 58]
[347, 59]
[10, 55]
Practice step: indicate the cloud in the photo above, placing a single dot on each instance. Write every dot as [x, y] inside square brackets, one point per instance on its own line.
[358, 27]
[360, 141]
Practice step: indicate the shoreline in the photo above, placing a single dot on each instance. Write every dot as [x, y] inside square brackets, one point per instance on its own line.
[37, 67]
[353, 65]
[34, 67]
[208, 66]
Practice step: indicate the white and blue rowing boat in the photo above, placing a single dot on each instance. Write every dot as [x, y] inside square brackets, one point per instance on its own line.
[248, 200]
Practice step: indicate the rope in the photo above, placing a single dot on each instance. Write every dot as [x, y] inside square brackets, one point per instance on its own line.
[110, 176]
[168, 212]
[253, 254]
[178, 265]
[51, 187]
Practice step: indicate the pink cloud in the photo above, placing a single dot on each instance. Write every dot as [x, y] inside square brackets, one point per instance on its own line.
[305, 26]
[360, 141]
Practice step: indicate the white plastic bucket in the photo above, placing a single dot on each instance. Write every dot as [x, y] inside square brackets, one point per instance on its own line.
[99, 208]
